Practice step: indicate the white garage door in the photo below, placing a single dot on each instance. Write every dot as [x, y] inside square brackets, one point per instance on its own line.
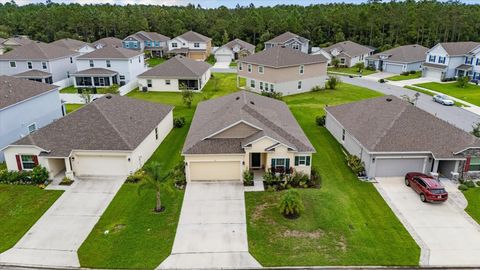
[100, 165]
[397, 166]
[215, 171]
[393, 68]
[223, 58]
[432, 74]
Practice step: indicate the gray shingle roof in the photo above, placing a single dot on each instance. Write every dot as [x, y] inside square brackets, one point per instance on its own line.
[285, 37]
[280, 56]
[33, 73]
[111, 52]
[432, 65]
[151, 36]
[108, 41]
[178, 67]
[405, 54]
[459, 48]
[37, 51]
[272, 116]
[194, 36]
[95, 71]
[115, 123]
[242, 44]
[398, 126]
[71, 44]
[349, 48]
[14, 90]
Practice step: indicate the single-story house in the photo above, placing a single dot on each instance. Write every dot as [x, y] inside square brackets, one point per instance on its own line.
[393, 137]
[107, 41]
[177, 73]
[36, 75]
[109, 136]
[233, 50]
[400, 59]
[347, 52]
[79, 46]
[244, 131]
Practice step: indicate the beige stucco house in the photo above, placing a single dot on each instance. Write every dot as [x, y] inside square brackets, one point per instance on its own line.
[244, 131]
[110, 136]
[281, 69]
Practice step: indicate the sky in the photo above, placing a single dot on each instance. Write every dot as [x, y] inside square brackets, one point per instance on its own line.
[206, 3]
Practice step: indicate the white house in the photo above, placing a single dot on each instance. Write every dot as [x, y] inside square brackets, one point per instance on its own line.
[347, 52]
[452, 59]
[108, 65]
[74, 45]
[291, 40]
[26, 106]
[192, 45]
[233, 50]
[112, 135]
[400, 59]
[58, 61]
[176, 74]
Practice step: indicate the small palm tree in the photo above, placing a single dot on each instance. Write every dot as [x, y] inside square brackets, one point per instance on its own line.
[154, 179]
[335, 62]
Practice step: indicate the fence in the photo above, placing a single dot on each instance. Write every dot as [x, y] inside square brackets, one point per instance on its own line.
[64, 83]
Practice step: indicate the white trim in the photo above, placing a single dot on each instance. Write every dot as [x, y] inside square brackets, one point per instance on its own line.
[265, 136]
[232, 125]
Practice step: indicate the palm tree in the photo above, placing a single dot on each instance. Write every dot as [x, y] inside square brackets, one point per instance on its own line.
[154, 179]
[335, 62]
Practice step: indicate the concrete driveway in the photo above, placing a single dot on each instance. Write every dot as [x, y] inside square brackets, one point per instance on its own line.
[212, 231]
[409, 82]
[447, 235]
[379, 75]
[54, 240]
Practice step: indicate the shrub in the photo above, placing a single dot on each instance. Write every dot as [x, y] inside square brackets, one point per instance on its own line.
[315, 179]
[478, 183]
[381, 80]
[297, 179]
[356, 164]
[320, 120]
[291, 205]
[317, 88]
[187, 96]
[412, 72]
[462, 82]
[179, 122]
[406, 73]
[332, 82]
[39, 175]
[135, 177]
[66, 181]
[462, 187]
[247, 178]
[469, 184]
[275, 95]
[371, 68]
[178, 174]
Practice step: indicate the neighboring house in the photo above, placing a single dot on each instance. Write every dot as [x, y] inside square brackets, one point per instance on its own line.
[400, 59]
[291, 40]
[347, 52]
[108, 41]
[26, 106]
[15, 42]
[58, 61]
[453, 59]
[393, 137]
[244, 131]
[108, 65]
[36, 75]
[192, 45]
[109, 136]
[152, 42]
[176, 74]
[281, 69]
[233, 50]
[74, 45]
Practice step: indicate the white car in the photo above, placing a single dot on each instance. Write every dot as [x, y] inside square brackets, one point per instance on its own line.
[444, 100]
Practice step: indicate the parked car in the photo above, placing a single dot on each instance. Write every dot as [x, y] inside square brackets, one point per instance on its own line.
[429, 189]
[444, 100]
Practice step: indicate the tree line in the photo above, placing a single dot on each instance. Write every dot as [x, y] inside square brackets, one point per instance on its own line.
[376, 23]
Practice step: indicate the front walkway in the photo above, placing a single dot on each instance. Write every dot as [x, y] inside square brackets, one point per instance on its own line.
[54, 240]
[212, 231]
[447, 235]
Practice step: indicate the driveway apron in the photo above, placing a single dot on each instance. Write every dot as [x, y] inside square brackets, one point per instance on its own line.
[54, 240]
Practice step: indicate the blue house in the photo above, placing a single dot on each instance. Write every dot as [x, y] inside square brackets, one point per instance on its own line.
[26, 106]
[152, 42]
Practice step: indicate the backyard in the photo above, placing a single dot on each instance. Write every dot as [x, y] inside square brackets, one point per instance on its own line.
[471, 93]
[72, 107]
[155, 61]
[402, 77]
[473, 198]
[351, 70]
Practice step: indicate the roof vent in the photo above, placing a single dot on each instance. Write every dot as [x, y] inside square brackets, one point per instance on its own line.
[108, 96]
[237, 98]
[251, 102]
[389, 100]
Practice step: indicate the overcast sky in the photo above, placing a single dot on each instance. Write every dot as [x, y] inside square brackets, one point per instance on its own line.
[206, 3]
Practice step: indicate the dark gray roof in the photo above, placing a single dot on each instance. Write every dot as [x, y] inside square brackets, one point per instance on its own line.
[194, 36]
[286, 37]
[95, 71]
[109, 123]
[464, 67]
[459, 48]
[280, 56]
[149, 36]
[432, 65]
[242, 44]
[270, 116]
[37, 51]
[33, 73]
[397, 126]
[178, 67]
[71, 44]
[14, 90]
[111, 52]
[108, 41]
[404, 54]
[349, 48]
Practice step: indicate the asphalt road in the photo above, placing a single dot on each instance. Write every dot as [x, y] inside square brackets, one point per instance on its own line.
[452, 114]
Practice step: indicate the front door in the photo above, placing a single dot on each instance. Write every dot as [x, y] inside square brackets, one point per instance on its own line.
[256, 160]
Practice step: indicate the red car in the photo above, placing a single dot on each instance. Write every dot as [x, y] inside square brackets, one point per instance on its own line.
[430, 189]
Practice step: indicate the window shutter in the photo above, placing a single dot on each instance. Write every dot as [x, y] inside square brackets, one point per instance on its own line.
[35, 160]
[467, 164]
[308, 161]
[296, 161]
[273, 163]
[287, 163]
[19, 162]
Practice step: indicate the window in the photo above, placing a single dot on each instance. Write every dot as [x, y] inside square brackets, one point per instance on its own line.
[196, 45]
[431, 58]
[478, 62]
[91, 63]
[167, 82]
[468, 60]
[139, 59]
[13, 64]
[249, 68]
[261, 85]
[271, 88]
[149, 83]
[240, 66]
[71, 60]
[29, 64]
[299, 85]
[342, 61]
[108, 63]
[301, 69]
[280, 163]
[260, 69]
[44, 65]
[156, 133]
[32, 128]
[343, 135]
[68, 74]
[28, 162]
[361, 57]
[302, 161]
[252, 83]
[122, 77]
[266, 86]
[441, 60]
[474, 164]
[174, 45]
[296, 46]
[127, 45]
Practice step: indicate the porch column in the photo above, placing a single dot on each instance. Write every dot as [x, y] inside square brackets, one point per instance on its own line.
[109, 81]
[68, 168]
[457, 164]
[435, 166]
[93, 83]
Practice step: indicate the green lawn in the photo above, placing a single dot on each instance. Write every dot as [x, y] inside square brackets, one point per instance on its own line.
[426, 92]
[139, 238]
[20, 207]
[351, 70]
[155, 61]
[473, 198]
[471, 93]
[233, 64]
[401, 77]
[346, 222]
[72, 107]
[69, 90]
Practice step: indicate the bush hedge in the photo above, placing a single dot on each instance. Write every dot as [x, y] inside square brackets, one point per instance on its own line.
[38, 175]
